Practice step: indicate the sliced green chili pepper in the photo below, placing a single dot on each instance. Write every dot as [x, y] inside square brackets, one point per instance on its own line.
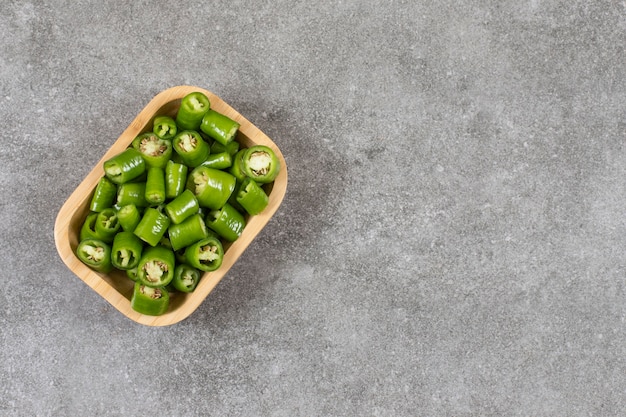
[251, 197]
[220, 160]
[156, 266]
[260, 163]
[107, 224]
[96, 254]
[132, 193]
[191, 148]
[236, 168]
[183, 206]
[175, 179]
[132, 274]
[126, 250]
[125, 166]
[205, 255]
[164, 127]
[212, 187]
[232, 148]
[152, 226]
[186, 278]
[104, 195]
[220, 127]
[192, 109]
[149, 301]
[233, 200]
[153, 149]
[155, 186]
[88, 229]
[227, 222]
[190, 231]
[129, 217]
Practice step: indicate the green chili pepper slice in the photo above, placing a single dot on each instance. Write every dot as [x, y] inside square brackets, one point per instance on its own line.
[96, 254]
[186, 278]
[125, 166]
[88, 229]
[183, 206]
[152, 226]
[227, 222]
[260, 163]
[104, 195]
[211, 187]
[206, 255]
[132, 274]
[220, 160]
[129, 217]
[155, 186]
[156, 266]
[189, 231]
[251, 197]
[153, 149]
[236, 167]
[219, 127]
[164, 127]
[107, 224]
[126, 250]
[175, 179]
[132, 193]
[191, 148]
[192, 109]
[149, 301]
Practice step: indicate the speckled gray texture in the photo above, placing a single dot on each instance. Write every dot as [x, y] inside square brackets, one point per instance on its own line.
[452, 241]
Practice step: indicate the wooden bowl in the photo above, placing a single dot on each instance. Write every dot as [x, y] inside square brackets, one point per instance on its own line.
[115, 287]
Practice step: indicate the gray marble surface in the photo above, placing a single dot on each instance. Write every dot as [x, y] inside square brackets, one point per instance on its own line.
[452, 241]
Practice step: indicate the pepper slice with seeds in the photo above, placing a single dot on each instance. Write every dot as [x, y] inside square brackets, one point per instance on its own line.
[212, 187]
[125, 166]
[153, 149]
[126, 251]
[191, 148]
[164, 127]
[149, 300]
[96, 254]
[156, 266]
[260, 163]
[206, 255]
[192, 109]
[186, 278]
[107, 224]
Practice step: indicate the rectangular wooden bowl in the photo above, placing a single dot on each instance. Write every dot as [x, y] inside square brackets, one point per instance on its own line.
[115, 287]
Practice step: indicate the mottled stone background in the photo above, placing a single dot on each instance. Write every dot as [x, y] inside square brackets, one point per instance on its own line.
[452, 241]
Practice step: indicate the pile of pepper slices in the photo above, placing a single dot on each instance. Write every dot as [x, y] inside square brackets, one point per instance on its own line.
[168, 202]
